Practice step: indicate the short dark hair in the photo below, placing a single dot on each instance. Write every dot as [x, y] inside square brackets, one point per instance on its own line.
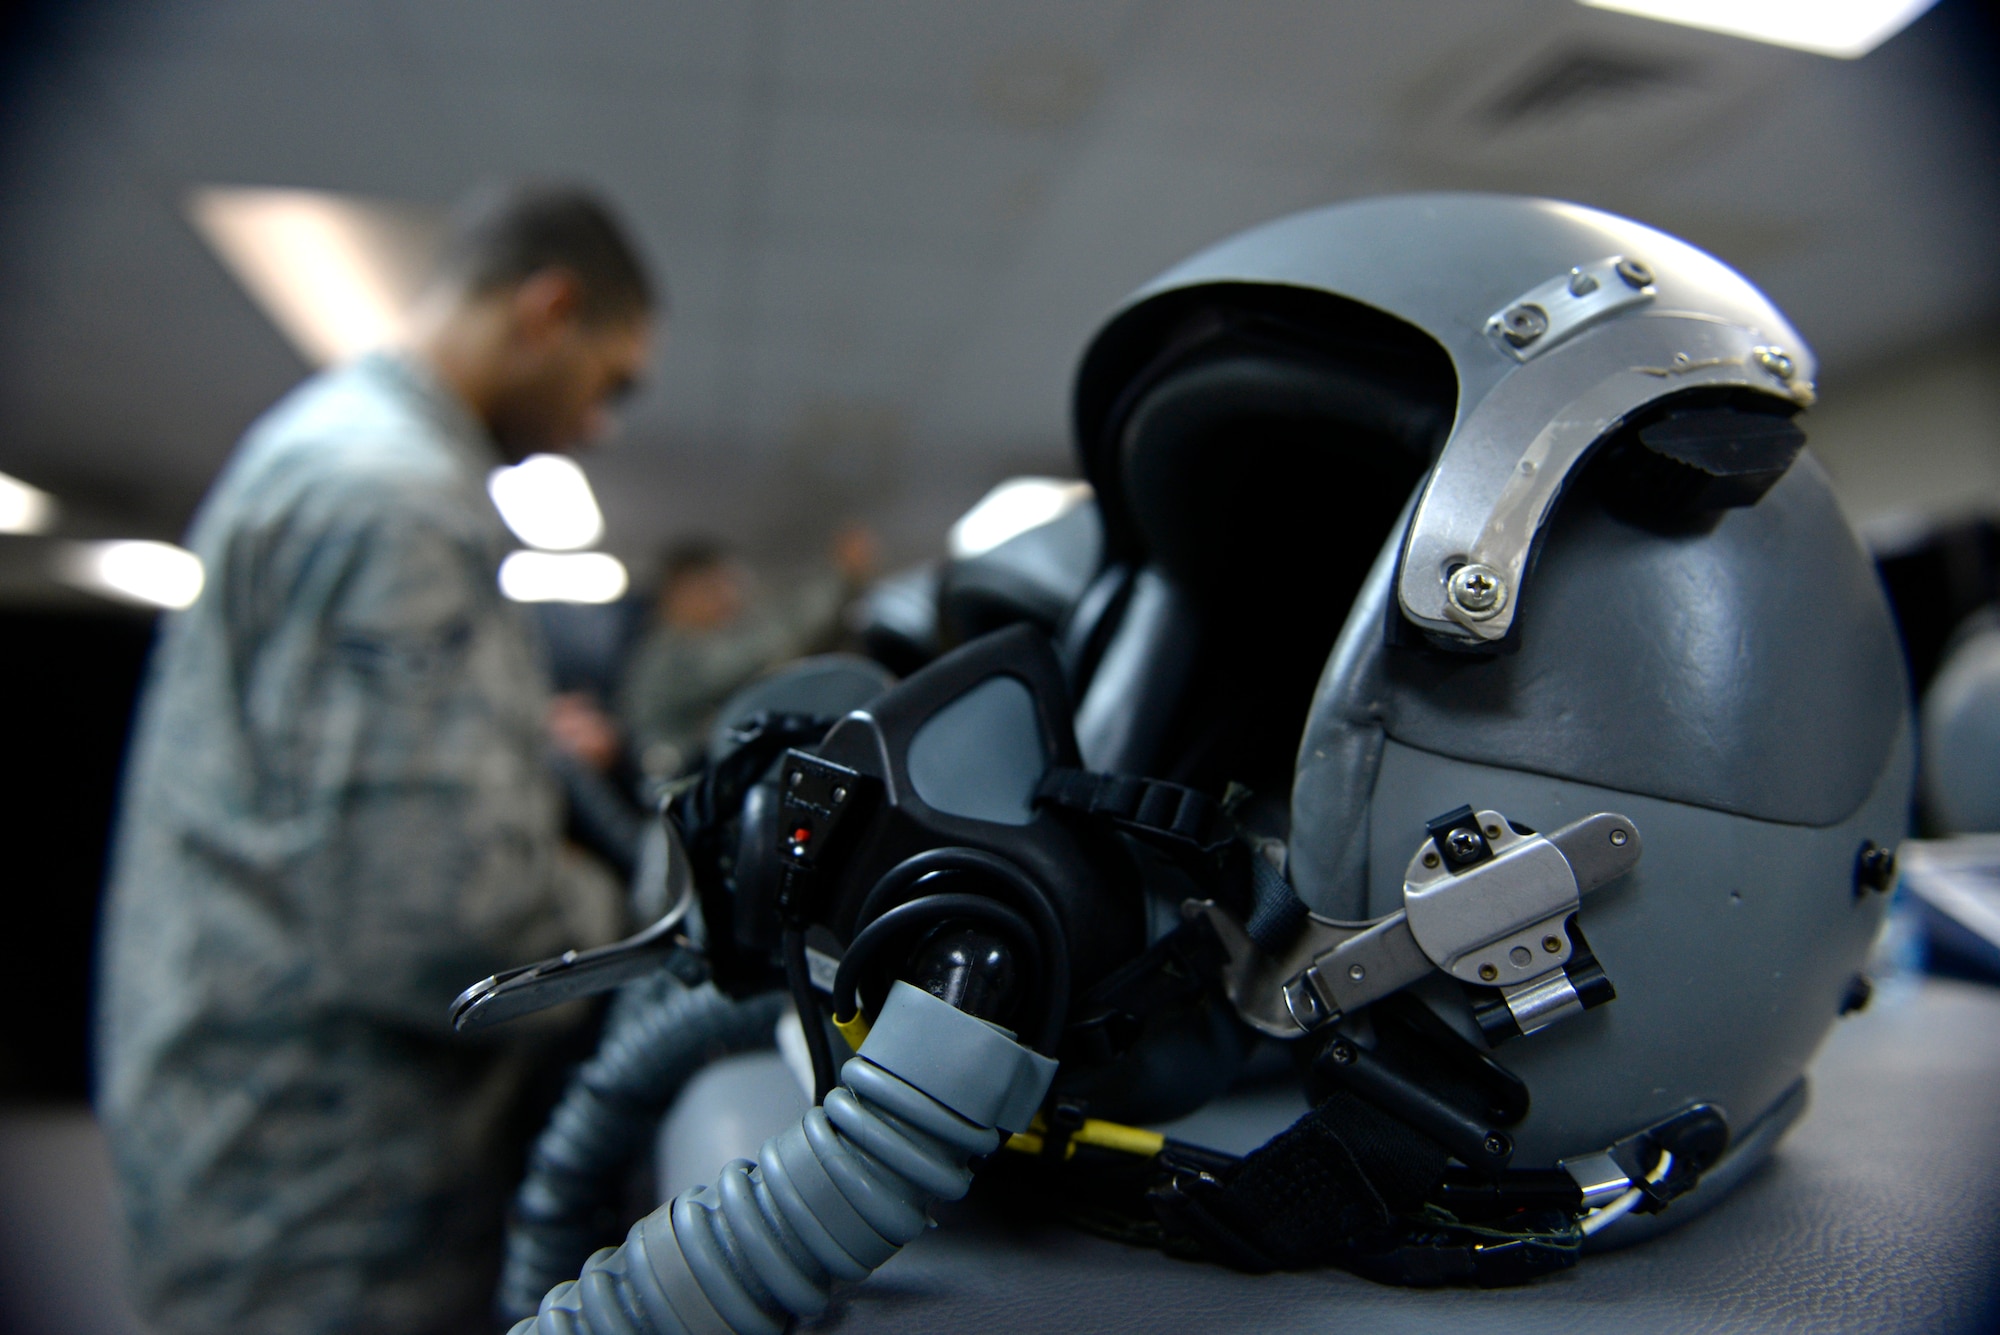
[692, 556]
[500, 236]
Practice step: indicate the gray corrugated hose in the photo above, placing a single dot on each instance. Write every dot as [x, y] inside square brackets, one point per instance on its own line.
[658, 1035]
[830, 1199]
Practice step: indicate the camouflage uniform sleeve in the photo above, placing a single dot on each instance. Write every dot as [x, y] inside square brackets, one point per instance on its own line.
[444, 861]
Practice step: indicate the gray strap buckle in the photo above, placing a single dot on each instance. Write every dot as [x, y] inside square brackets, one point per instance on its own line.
[1481, 902]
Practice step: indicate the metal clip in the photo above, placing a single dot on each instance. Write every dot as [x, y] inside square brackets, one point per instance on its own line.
[582, 973]
[1598, 1178]
[1481, 902]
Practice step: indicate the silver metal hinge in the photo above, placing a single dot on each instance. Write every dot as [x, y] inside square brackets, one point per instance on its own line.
[1481, 902]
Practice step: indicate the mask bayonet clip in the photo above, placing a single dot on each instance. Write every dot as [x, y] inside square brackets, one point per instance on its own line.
[583, 973]
[1482, 901]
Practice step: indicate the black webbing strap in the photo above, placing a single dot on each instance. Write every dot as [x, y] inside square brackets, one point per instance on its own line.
[1344, 1172]
[1152, 808]
[1176, 971]
[1276, 911]
[1347, 1186]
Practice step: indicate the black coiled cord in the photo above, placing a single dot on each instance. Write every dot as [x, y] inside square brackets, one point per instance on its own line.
[1028, 898]
[792, 946]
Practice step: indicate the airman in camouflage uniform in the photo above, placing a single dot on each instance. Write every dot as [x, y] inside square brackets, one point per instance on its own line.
[337, 816]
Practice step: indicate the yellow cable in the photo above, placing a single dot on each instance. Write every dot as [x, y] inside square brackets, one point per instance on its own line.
[1115, 1136]
[1104, 1135]
[854, 1029]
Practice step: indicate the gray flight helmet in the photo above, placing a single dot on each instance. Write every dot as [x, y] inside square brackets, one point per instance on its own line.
[1506, 387]
[1960, 719]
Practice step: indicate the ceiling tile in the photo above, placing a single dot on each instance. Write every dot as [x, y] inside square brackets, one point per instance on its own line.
[889, 226]
[714, 42]
[1033, 65]
[674, 157]
[955, 191]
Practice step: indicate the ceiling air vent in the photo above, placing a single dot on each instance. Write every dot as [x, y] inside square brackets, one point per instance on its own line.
[1581, 79]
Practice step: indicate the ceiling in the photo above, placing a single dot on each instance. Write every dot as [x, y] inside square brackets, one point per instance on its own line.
[888, 228]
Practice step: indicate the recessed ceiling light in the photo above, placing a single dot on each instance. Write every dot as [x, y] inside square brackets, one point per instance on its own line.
[1844, 28]
[1011, 509]
[152, 574]
[24, 509]
[335, 273]
[563, 577]
[547, 501]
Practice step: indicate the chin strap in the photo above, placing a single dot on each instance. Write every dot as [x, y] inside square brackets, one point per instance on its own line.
[1354, 1182]
[1352, 1185]
[1344, 1172]
[1347, 1185]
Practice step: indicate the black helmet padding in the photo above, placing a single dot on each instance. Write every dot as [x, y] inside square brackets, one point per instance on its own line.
[1256, 477]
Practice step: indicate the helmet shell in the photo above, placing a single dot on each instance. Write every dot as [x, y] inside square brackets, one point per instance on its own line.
[1734, 686]
[1443, 262]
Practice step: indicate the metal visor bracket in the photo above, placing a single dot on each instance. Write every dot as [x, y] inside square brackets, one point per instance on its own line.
[1546, 316]
[1588, 362]
[1482, 902]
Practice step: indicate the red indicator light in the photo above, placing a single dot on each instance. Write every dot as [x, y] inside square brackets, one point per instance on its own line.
[801, 835]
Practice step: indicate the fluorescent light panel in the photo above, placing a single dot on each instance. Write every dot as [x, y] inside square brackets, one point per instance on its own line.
[1843, 28]
[563, 577]
[1011, 509]
[151, 574]
[547, 501]
[335, 273]
[25, 509]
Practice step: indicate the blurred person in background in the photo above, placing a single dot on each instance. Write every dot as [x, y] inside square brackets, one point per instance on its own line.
[603, 794]
[709, 637]
[338, 815]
